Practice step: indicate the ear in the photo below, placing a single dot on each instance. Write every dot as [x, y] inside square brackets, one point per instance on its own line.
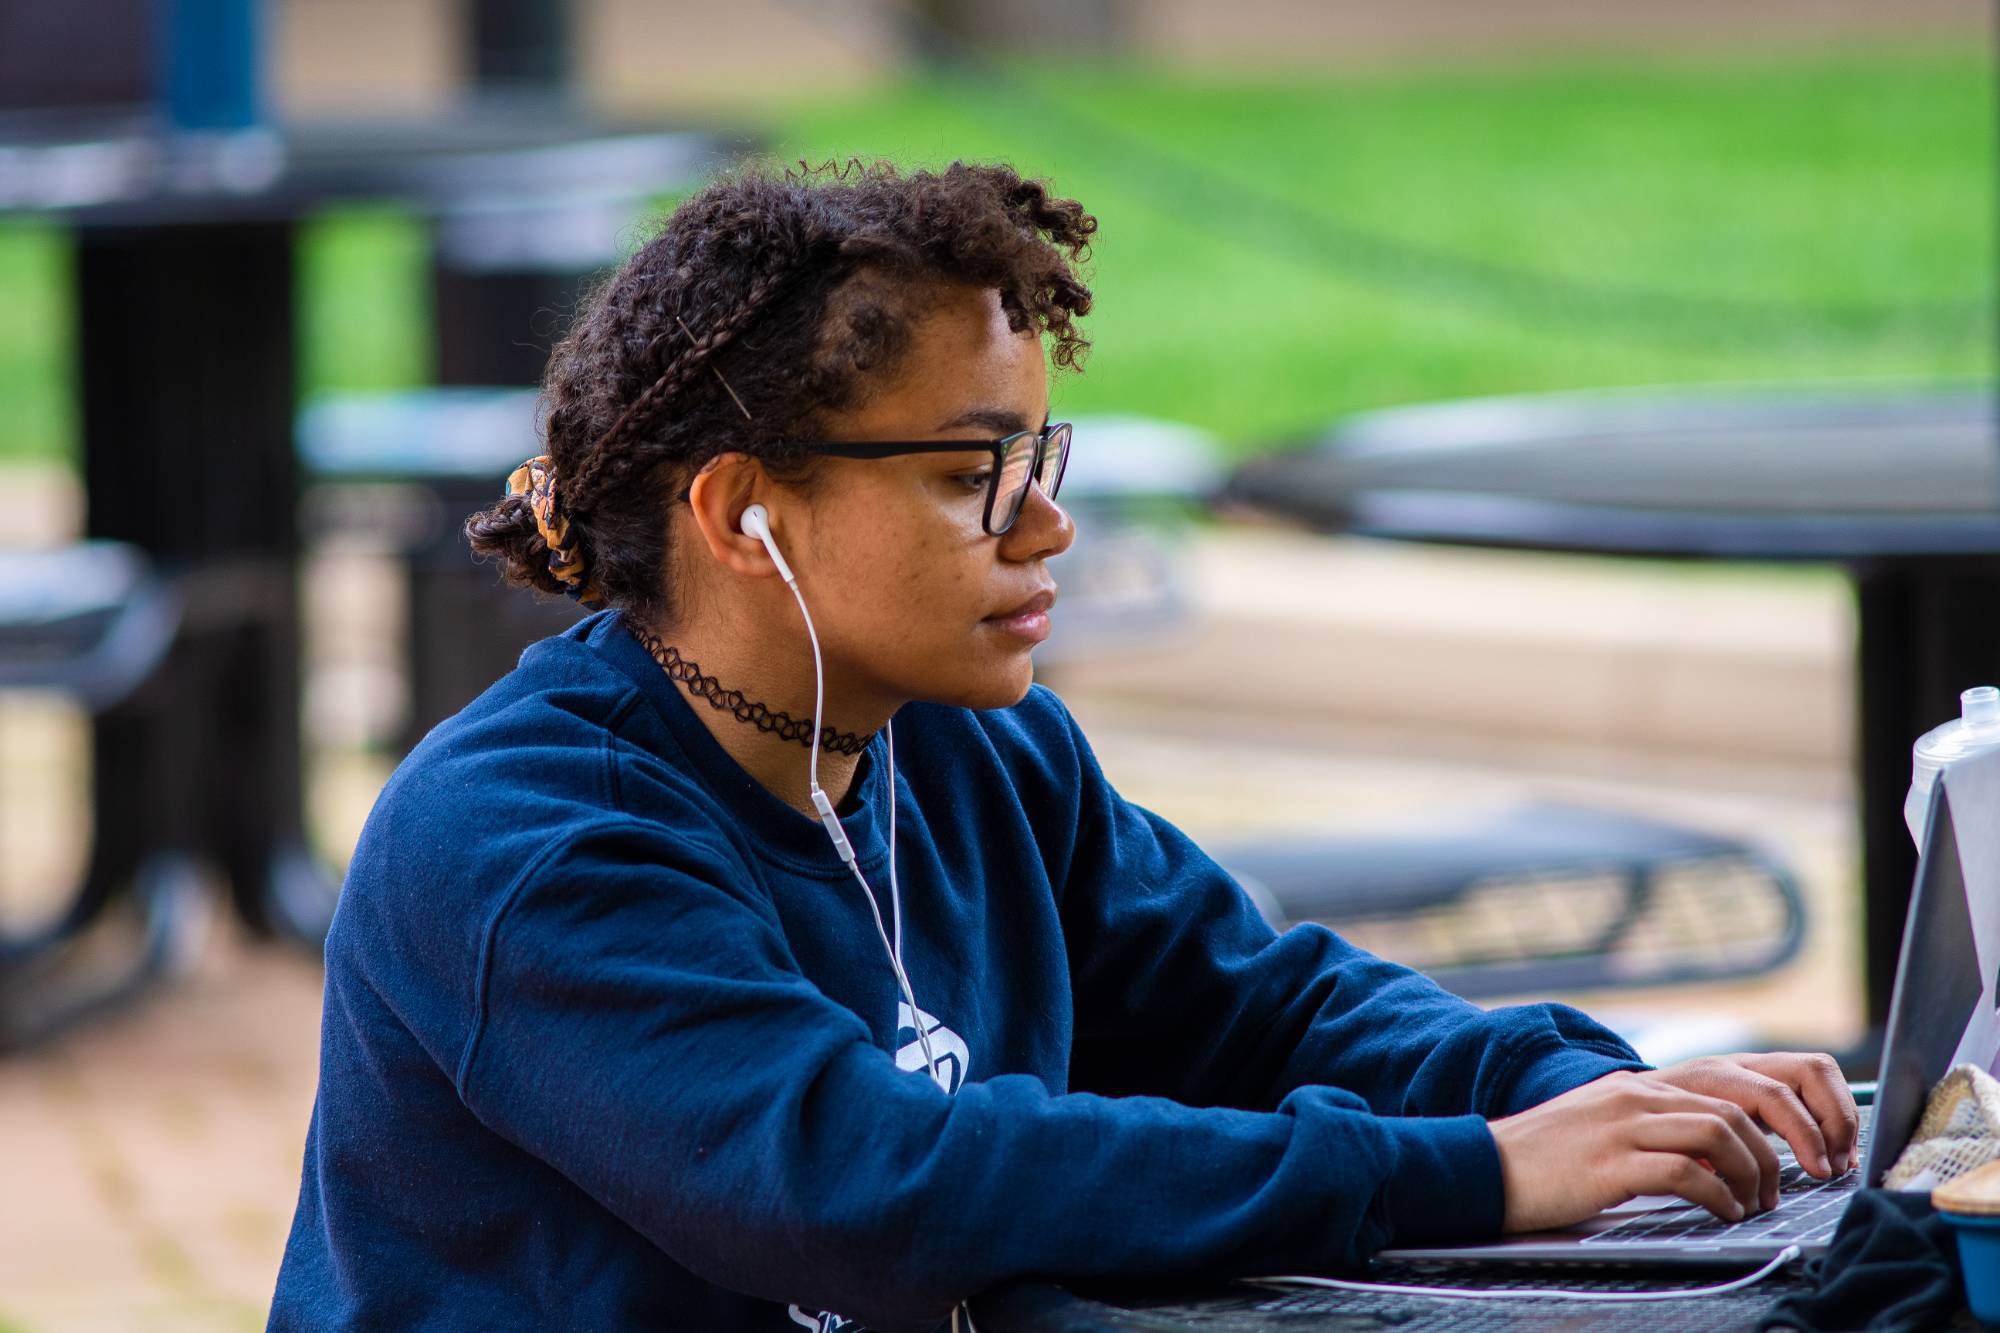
[717, 497]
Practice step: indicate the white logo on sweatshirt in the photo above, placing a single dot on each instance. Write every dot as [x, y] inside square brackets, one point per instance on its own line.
[948, 1050]
[947, 1047]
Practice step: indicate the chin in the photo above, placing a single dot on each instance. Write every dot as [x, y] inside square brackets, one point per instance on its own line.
[999, 685]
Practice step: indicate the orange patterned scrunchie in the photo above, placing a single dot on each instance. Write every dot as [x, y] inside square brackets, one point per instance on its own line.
[536, 479]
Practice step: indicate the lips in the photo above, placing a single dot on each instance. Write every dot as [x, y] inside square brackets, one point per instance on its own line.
[1035, 605]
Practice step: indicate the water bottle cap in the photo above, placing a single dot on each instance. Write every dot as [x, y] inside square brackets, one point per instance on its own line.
[1974, 731]
[1980, 706]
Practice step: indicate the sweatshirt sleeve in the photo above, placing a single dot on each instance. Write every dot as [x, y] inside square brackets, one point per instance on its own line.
[1182, 989]
[642, 1027]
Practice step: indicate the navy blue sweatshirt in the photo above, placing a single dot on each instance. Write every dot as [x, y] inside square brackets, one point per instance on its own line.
[610, 1040]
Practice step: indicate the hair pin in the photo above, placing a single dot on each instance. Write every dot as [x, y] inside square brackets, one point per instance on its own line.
[718, 373]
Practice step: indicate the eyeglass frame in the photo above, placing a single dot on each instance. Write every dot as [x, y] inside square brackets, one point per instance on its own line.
[871, 449]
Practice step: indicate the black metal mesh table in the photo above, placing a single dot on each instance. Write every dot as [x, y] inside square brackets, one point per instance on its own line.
[1038, 1307]
[1901, 488]
[187, 355]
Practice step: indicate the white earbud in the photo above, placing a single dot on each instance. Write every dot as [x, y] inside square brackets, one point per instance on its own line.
[757, 523]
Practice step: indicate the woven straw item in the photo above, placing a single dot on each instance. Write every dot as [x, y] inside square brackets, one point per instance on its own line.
[1959, 1133]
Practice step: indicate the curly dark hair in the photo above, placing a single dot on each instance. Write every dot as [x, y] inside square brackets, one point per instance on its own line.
[764, 301]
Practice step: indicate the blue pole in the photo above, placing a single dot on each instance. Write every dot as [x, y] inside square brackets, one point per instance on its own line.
[211, 70]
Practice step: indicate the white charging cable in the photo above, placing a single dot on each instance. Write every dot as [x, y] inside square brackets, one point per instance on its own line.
[1783, 1257]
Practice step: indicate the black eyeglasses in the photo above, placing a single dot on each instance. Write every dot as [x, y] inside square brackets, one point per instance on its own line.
[1037, 455]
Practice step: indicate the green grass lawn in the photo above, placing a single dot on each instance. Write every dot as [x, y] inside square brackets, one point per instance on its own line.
[1277, 250]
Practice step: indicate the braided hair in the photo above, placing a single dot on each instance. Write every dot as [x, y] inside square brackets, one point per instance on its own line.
[764, 301]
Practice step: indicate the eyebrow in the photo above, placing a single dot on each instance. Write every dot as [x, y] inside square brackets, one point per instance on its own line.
[1003, 419]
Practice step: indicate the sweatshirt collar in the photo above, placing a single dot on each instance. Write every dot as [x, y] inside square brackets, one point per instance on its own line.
[772, 825]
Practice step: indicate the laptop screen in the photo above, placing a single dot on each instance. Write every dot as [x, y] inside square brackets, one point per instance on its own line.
[1942, 1010]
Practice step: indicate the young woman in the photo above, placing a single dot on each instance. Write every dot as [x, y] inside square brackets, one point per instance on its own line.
[616, 1035]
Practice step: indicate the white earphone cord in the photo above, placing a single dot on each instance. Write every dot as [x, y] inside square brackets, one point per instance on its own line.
[831, 822]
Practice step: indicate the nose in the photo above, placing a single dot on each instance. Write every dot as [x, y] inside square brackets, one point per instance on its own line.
[1043, 529]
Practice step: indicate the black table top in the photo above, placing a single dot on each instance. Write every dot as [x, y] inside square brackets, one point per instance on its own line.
[122, 169]
[1044, 1307]
[1771, 474]
[1037, 1307]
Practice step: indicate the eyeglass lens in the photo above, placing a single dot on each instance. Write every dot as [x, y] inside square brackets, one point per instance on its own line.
[1011, 486]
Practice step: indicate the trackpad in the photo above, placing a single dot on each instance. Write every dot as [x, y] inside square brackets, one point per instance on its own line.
[1631, 1208]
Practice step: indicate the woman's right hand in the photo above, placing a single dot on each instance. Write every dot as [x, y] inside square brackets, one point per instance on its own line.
[1628, 1134]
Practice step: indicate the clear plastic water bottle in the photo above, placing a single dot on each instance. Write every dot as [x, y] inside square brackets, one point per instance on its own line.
[1974, 731]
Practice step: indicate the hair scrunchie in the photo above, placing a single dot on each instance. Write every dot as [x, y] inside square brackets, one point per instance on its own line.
[536, 479]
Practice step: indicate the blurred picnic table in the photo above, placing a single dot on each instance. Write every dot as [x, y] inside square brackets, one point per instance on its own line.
[184, 279]
[1899, 487]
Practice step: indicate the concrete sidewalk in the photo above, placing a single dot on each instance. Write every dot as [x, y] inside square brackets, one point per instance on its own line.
[1494, 651]
[152, 1161]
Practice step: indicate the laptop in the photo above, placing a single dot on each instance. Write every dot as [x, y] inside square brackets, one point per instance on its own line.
[1941, 1012]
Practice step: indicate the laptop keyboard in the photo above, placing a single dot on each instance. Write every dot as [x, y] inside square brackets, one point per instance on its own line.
[1808, 1210]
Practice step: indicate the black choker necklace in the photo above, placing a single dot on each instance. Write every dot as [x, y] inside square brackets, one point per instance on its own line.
[782, 725]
